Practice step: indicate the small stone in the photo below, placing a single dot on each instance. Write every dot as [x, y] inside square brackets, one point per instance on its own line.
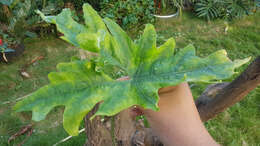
[25, 74]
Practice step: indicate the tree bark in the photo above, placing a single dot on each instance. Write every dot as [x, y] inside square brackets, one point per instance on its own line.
[118, 130]
[227, 94]
[123, 130]
[97, 133]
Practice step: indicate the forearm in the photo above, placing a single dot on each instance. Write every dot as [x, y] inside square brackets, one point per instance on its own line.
[178, 121]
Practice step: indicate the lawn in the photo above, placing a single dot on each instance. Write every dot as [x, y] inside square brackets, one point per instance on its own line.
[13, 86]
[239, 125]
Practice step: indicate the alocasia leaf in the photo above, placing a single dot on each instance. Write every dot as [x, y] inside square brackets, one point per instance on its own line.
[79, 86]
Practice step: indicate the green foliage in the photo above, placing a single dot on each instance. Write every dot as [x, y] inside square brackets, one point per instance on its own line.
[209, 9]
[129, 12]
[257, 3]
[4, 48]
[228, 9]
[50, 7]
[238, 8]
[17, 19]
[78, 3]
[6, 2]
[181, 3]
[178, 3]
[80, 85]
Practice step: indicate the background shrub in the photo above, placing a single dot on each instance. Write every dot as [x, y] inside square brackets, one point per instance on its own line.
[128, 12]
[226, 9]
[18, 19]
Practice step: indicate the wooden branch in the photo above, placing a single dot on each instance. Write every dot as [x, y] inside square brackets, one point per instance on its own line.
[209, 105]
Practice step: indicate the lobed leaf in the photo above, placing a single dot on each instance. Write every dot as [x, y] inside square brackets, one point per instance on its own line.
[79, 86]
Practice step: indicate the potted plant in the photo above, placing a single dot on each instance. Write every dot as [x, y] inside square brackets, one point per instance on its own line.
[170, 8]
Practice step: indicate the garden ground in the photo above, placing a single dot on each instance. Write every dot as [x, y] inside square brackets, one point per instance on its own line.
[239, 125]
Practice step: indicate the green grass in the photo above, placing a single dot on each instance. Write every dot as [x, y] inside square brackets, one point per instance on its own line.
[239, 125]
[13, 86]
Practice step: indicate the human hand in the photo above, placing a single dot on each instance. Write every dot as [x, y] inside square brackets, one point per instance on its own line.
[165, 95]
[178, 121]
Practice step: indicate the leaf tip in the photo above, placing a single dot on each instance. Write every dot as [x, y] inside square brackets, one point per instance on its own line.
[48, 19]
[149, 26]
[224, 52]
[71, 128]
[38, 12]
[86, 5]
[72, 132]
[240, 62]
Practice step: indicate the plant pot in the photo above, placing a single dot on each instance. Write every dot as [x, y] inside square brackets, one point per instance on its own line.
[166, 12]
[168, 15]
[19, 48]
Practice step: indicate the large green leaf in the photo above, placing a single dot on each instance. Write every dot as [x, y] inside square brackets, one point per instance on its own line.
[79, 86]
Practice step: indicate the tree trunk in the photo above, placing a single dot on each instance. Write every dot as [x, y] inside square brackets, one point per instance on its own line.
[118, 130]
[123, 130]
[227, 94]
[97, 133]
